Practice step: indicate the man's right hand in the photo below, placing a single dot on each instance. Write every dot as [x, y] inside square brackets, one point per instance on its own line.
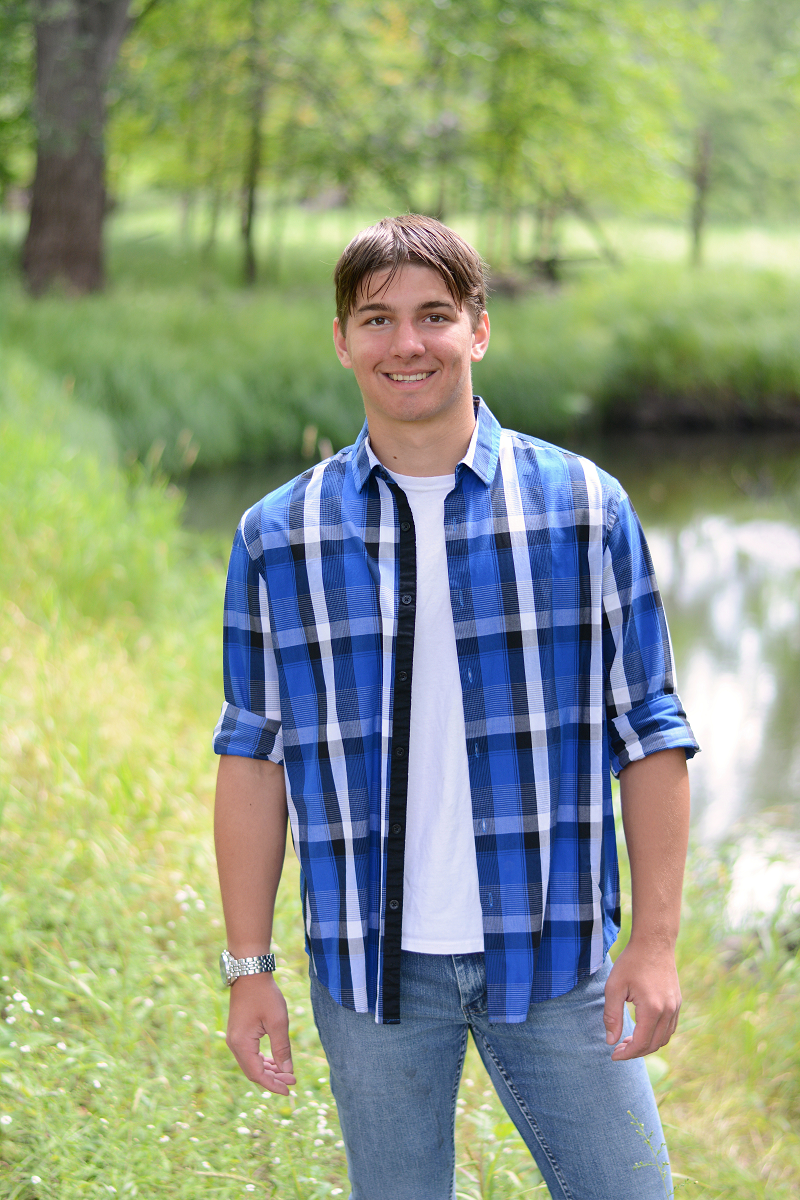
[257, 1010]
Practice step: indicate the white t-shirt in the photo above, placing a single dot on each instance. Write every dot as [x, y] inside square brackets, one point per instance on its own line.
[441, 901]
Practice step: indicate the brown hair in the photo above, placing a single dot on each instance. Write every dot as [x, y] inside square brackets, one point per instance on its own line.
[412, 238]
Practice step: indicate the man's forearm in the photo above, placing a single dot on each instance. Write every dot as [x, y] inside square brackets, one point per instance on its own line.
[655, 814]
[250, 837]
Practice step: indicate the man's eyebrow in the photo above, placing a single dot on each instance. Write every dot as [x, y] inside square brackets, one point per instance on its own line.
[376, 306]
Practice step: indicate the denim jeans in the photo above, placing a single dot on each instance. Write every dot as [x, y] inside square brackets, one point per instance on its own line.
[396, 1085]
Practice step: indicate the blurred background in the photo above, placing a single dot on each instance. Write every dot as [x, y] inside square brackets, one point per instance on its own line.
[177, 181]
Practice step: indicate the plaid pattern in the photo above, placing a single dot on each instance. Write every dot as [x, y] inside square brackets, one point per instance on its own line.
[566, 673]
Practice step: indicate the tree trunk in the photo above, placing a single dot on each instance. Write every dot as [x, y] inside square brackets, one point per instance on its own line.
[77, 43]
[258, 96]
[701, 178]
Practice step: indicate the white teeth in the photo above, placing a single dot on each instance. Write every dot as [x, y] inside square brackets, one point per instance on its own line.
[411, 378]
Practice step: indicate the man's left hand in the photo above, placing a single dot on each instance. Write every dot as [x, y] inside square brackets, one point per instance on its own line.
[647, 978]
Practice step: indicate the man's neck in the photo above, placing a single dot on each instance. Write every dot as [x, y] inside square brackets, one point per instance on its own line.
[422, 448]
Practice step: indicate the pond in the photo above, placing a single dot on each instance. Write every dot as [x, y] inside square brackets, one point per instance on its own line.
[722, 516]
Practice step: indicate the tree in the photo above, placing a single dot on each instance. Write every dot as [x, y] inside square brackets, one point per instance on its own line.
[743, 108]
[77, 43]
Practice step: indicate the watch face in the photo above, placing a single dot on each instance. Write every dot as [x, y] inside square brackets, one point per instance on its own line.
[224, 960]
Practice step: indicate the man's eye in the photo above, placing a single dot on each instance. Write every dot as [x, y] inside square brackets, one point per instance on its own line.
[376, 321]
[437, 318]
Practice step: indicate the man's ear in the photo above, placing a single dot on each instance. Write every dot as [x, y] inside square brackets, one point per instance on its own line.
[340, 344]
[480, 338]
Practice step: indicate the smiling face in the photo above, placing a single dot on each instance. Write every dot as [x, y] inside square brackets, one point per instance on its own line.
[411, 349]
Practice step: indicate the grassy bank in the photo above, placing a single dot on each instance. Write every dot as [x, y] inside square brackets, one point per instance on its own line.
[114, 1077]
[185, 365]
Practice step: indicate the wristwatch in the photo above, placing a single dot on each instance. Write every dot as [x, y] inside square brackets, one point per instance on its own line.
[231, 968]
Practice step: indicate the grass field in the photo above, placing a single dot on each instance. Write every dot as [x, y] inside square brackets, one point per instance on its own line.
[114, 1077]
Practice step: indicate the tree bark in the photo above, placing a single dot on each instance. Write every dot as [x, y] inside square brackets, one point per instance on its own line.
[77, 43]
[701, 179]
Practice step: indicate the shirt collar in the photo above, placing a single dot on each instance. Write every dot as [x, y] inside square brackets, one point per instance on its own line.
[481, 456]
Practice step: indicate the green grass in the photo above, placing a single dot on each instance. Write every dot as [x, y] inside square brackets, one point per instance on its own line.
[185, 365]
[113, 1068]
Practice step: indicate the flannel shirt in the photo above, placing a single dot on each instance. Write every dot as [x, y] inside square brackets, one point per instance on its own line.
[566, 674]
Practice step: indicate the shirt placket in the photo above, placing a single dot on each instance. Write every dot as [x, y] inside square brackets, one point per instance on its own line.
[400, 739]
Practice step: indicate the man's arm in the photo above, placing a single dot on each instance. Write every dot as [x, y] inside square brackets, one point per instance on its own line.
[250, 836]
[655, 815]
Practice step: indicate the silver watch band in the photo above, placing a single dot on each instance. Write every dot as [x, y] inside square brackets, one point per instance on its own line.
[232, 968]
[255, 964]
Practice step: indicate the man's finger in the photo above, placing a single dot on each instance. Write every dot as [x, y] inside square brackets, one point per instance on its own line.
[651, 1032]
[613, 1012]
[281, 1051]
[266, 1072]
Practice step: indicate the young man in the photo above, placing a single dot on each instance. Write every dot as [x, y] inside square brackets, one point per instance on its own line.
[438, 643]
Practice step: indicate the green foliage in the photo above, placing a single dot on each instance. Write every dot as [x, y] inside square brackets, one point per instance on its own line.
[552, 107]
[16, 65]
[102, 540]
[743, 102]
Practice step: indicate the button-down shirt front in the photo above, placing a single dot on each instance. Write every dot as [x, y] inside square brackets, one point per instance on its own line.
[566, 674]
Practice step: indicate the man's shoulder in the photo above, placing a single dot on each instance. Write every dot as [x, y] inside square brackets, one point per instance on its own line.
[548, 463]
[275, 515]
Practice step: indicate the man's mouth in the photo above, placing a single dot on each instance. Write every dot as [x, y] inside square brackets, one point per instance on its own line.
[409, 378]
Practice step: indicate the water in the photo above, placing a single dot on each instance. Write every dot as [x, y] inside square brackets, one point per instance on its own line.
[722, 517]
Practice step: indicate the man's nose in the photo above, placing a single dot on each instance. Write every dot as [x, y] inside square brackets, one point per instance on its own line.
[407, 341]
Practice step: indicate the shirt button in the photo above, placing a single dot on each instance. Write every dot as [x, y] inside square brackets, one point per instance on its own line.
[394, 905]
[399, 751]
[402, 676]
[406, 599]
[405, 526]
[397, 828]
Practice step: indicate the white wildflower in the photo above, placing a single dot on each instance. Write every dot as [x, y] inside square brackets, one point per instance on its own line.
[6, 1119]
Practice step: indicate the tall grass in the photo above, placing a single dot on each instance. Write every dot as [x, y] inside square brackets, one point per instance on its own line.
[114, 1077]
[185, 365]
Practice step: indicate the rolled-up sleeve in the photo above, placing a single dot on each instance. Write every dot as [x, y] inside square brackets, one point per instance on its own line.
[643, 711]
[250, 722]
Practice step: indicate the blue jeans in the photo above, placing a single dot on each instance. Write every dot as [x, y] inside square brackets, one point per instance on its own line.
[396, 1086]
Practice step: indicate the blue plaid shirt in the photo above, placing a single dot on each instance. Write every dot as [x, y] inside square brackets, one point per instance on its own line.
[566, 674]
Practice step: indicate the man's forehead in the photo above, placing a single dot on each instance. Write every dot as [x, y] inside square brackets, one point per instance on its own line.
[423, 284]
